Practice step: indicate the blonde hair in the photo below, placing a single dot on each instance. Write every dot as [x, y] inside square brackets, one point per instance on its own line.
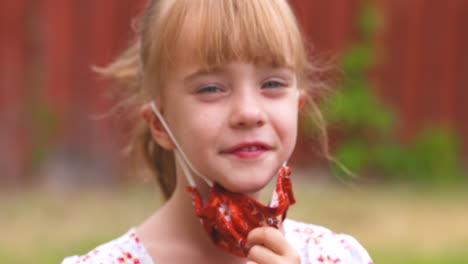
[219, 31]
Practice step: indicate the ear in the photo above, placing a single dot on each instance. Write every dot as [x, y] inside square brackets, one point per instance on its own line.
[302, 98]
[158, 132]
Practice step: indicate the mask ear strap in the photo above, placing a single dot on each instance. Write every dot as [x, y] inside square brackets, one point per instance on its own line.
[179, 153]
[185, 169]
[274, 198]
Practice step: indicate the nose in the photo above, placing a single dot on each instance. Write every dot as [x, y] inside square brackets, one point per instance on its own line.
[247, 112]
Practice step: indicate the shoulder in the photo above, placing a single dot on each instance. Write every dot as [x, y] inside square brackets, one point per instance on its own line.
[125, 249]
[318, 244]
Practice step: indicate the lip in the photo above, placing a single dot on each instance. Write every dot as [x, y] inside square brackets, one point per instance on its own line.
[240, 150]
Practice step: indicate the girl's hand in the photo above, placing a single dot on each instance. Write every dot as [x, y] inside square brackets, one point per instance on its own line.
[269, 246]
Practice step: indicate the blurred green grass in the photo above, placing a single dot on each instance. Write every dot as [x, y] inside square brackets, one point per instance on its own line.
[396, 224]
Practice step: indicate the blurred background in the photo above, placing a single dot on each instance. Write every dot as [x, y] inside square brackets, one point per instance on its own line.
[397, 115]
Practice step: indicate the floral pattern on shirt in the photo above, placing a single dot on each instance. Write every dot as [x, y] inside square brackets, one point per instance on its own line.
[315, 244]
[319, 245]
[126, 249]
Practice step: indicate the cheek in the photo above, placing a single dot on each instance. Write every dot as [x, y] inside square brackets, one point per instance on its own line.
[196, 128]
[285, 122]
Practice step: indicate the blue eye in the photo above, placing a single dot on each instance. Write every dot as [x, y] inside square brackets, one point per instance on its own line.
[209, 89]
[272, 84]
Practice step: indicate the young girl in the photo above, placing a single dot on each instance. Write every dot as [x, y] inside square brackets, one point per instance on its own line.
[219, 85]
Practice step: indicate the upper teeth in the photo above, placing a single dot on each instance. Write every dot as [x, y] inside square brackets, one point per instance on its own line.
[251, 148]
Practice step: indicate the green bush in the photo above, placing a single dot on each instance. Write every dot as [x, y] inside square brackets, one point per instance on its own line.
[369, 144]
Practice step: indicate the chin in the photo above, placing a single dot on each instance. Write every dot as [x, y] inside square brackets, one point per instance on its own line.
[247, 184]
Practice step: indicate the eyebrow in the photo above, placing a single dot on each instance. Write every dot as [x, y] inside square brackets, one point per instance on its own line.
[285, 69]
[201, 72]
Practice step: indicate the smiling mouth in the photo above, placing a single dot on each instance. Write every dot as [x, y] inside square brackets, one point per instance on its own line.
[248, 150]
[253, 148]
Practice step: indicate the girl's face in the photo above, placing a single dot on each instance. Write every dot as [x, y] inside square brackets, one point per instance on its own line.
[237, 124]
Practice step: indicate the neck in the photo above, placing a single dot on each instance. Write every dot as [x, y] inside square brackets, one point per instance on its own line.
[182, 236]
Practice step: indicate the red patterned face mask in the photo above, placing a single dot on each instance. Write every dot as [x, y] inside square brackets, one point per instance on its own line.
[228, 217]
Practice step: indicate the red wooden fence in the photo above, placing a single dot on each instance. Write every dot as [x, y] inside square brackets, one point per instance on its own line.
[47, 47]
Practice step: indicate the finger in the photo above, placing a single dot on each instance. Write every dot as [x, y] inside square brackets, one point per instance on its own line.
[270, 238]
[261, 255]
[251, 262]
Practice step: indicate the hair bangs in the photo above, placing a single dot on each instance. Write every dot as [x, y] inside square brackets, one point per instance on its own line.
[217, 32]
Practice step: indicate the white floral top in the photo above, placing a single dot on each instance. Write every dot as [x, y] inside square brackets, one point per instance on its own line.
[315, 244]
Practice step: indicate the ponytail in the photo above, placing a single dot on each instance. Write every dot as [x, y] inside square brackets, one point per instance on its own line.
[126, 72]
